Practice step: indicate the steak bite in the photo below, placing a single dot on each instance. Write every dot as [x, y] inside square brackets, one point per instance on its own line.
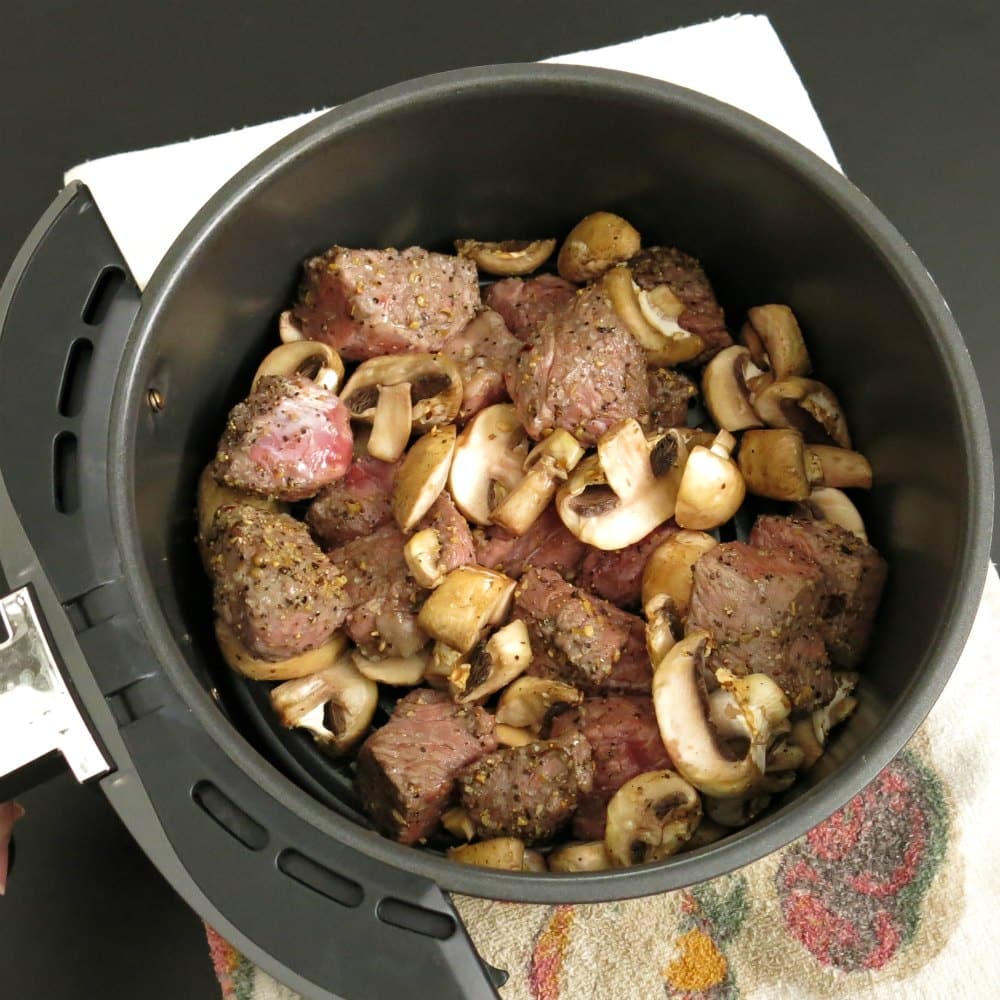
[287, 440]
[454, 538]
[407, 768]
[547, 544]
[762, 609]
[624, 740]
[686, 279]
[853, 575]
[670, 394]
[367, 303]
[581, 370]
[483, 351]
[355, 505]
[617, 575]
[528, 792]
[581, 639]
[524, 303]
[273, 586]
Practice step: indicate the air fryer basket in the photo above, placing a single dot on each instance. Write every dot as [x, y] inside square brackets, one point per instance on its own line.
[258, 832]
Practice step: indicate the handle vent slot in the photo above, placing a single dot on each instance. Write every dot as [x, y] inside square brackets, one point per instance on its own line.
[230, 816]
[414, 918]
[320, 879]
[102, 294]
[74, 379]
[66, 473]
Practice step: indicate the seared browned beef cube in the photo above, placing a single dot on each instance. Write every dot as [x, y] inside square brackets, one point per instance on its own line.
[274, 587]
[407, 769]
[528, 792]
[354, 506]
[625, 741]
[617, 575]
[483, 351]
[685, 277]
[581, 639]
[365, 303]
[853, 577]
[762, 609]
[547, 544]
[524, 303]
[581, 370]
[670, 394]
[288, 439]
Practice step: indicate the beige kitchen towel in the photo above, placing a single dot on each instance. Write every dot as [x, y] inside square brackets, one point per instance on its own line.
[895, 897]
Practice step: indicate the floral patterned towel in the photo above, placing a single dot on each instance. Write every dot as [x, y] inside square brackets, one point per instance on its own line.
[895, 896]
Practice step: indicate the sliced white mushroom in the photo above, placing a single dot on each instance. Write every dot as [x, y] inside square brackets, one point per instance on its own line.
[392, 424]
[595, 243]
[689, 738]
[458, 823]
[315, 360]
[619, 495]
[467, 600]
[546, 467]
[784, 756]
[506, 853]
[650, 817]
[663, 627]
[589, 856]
[422, 553]
[841, 467]
[828, 504]
[336, 705]
[442, 662]
[492, 664]
[422, 475]
[803, 736]
[753, 708]
[534, 861]
[840, 706]
[512, 736]
[712, 487]
[806, 405]
[488, 461]
[288, 328]
[772, 332]
[669, 571]
[310, 662]
[528, 701]
[398, 671]
[212, 495]
[507, 257]
[726, 389]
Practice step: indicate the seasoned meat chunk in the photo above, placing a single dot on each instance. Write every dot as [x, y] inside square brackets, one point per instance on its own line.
[365, 303]
[287, 440]
[670, 393]
[582, 639]
[684, 276]
[547, 544]
[457, 548]
[525, 302]
[625, 741]
[617, 575]
[407, 769]
[355, 505]
[483, 351]
[762, 609]
[273, 586]
[528, 792]
[581, 370]
[853, 575]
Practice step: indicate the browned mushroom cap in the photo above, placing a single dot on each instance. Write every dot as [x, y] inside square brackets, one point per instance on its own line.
[806, 405]
[669, 570]
[842, 468]
[310, 662]
[772, 333]
[422, 476]
[828, 504]
[316, 361]
[712, 486]
[507, 853]
[397, 671]
[512, 736]
[596, 243]
[527, 702]
[492, 664]
[468, 599]
[508, 257]
[726, 389]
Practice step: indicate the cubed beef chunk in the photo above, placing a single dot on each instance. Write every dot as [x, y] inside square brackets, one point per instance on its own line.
[529, 792]
[580, 370]
[288, 439]
[547, 544]
[355, 505]
[853, 575]
[273, 586]
[407, 768]
[483, 351]
[524, 303]
[617, 575]
[365, 303]
[762, 609]
[670, 394]
[457, 547]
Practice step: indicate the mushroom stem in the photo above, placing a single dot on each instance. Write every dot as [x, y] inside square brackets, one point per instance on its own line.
[841, 467]
[393, 422]
[468, 599]
[316, 361]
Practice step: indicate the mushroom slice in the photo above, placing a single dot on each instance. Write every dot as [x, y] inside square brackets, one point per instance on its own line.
[316, 361]
[806, 405]
[619, 495]
[422, 475]
[775, 464]
[725, 387]
[500, 852]
[422, 553]
[663, 627]
[546, 466]
[828, 504]
[669, 570]
[467, 600]
[707, 832]
[597, 242]
[336, 705]
[393, 423]
[650, 817]
[508, 257]
[712, 486]
[458, 823]
[752, 708]
[398, 671]
[442, 662]
[735, 813]
[488, 461]
[651, 317]
[528, 701]
[212, 495]
[288, 329]
[840, 467]
[777, 339]
[590, 856]
[310, 662]
[512, 736]
[840, 706]
[689, 738]
[492, 664]
[784, 756]
[534, 861]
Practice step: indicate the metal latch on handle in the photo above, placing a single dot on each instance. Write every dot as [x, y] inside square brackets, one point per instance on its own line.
[37, 711]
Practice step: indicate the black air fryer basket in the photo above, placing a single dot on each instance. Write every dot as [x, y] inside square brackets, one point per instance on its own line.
[111, 403]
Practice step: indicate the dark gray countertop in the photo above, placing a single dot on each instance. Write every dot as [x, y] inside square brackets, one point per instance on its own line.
[907, 92]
